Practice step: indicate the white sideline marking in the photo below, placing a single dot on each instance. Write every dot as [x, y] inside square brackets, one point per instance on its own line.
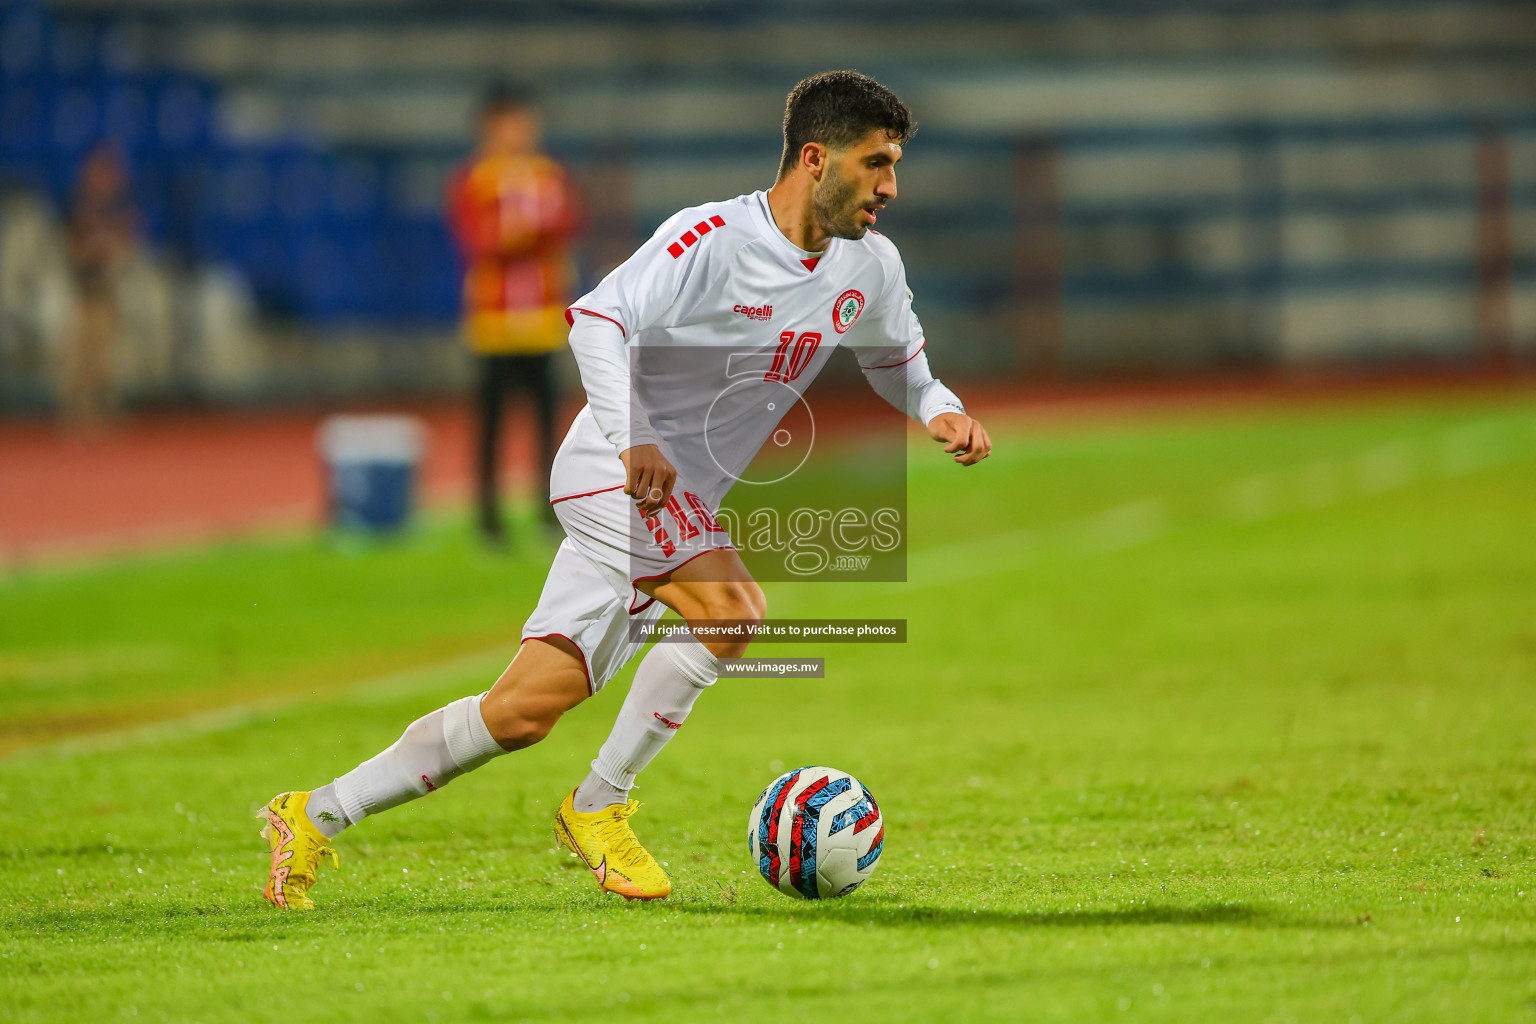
[1124, 526]
[984, 556]
[1322, 484]
[1389, 466]
[1392, 465]
[1386, 467]
[202, 723]
[1252, 498]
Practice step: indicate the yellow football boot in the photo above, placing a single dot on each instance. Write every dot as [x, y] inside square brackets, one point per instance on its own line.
[297, 849]
[608, 846]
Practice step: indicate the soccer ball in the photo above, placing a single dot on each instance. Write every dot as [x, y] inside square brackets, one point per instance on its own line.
[816, 833]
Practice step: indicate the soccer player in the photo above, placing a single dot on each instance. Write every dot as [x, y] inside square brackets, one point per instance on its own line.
[780, 276]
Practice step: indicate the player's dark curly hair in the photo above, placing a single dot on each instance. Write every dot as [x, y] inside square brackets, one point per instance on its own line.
[837, 109]
[504, 96]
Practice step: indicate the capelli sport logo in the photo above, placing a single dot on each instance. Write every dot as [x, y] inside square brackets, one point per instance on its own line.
[849, 305]
[754, 312]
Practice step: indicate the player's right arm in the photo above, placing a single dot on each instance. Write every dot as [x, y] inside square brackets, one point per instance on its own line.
[638, 294]
[648, 476]
[602, 356]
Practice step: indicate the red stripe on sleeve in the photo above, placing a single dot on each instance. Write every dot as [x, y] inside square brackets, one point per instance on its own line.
[571, 320]
[904, 362]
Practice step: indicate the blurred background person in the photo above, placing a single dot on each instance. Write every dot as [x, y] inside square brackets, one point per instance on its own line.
[513, 211]
[99, 236]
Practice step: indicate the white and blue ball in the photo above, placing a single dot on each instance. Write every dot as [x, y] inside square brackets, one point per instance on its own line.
[816, 833]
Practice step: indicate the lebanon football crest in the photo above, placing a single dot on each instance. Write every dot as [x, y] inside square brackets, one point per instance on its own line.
[849, 305]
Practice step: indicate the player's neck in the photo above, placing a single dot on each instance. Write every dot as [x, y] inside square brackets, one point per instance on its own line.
[502, 153]
[789, 201]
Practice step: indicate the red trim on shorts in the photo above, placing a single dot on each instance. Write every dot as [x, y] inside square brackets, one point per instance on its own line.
[648, 603]
[679, 565]
[591, 688]
[904, 362]
[568, 497]
[571, 320]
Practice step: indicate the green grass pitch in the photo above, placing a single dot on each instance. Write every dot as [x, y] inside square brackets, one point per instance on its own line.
[1224, 715]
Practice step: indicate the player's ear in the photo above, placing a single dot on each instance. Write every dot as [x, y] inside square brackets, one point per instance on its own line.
[813, 157]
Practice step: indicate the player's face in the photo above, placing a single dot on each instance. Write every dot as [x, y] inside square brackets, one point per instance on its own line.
[512, 132]
[858, 181]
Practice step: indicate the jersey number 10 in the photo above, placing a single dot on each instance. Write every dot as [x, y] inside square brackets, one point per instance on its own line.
[687, 529]
[790, 363]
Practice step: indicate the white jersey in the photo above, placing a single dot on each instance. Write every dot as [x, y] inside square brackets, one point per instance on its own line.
[704, 338]
[699, 343]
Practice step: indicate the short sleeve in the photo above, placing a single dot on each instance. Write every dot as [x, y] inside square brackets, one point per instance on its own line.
[639, 293]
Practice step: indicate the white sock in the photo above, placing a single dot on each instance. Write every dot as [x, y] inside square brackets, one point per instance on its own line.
[434, 750]
[325, 811]
[670, 678]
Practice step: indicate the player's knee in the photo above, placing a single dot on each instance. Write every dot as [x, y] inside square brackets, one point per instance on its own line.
[516, 728]
[740, 601]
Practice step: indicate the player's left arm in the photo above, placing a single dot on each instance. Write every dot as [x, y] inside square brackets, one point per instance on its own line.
[964, 438]
[909, 385]
[898, 371]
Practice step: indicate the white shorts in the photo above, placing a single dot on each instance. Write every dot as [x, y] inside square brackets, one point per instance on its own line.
[589, 597]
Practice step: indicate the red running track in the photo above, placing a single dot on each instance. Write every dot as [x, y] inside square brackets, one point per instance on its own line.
[168, 479]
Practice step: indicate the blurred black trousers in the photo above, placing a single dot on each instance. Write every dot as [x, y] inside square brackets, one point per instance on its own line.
[532, 377]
